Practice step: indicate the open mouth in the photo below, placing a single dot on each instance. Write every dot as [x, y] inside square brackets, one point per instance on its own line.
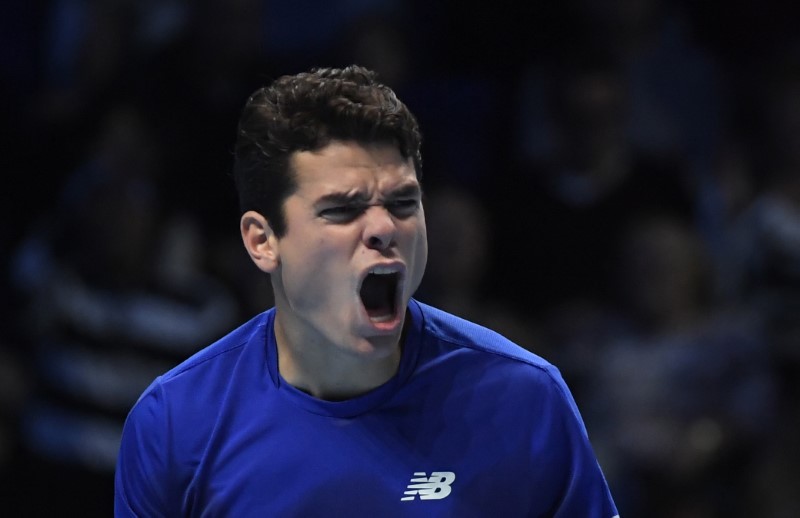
[379, 295]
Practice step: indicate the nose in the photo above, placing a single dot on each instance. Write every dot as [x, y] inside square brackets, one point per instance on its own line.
[380, 228]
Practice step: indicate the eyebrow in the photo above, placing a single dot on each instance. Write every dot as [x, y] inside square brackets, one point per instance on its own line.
[409, 190]
[341, 198]
[344, 198]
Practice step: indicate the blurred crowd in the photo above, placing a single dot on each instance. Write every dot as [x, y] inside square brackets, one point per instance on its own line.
[614, 185]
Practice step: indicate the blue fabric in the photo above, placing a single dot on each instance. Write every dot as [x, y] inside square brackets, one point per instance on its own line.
[484, 427]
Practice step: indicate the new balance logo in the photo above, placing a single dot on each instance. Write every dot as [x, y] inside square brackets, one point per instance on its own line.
[435, 487]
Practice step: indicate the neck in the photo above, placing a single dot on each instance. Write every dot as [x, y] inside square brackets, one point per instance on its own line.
[326, 371]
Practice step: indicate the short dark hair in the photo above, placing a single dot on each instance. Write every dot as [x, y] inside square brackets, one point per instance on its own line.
[305, 112]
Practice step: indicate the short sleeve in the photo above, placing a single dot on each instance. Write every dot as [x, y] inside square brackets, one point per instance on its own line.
[583, 490]
[141, 485]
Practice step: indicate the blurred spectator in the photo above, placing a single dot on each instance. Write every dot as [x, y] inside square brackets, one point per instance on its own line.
[677, 98]
[723, 195]
[191, 89]
[114, 293]
[675, 101]
[762, 263]
[760, 268]
[563, 212]
[457, 153]
[458, 262]
[682, 399]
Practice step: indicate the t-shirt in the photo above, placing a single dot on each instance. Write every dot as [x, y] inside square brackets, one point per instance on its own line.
[470, 425]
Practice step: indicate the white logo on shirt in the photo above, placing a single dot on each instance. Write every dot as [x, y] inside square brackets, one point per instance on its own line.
[435, 487]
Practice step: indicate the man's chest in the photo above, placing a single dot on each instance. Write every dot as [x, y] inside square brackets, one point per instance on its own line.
[387, 465]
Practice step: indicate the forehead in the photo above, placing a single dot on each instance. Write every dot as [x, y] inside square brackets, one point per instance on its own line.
[348, 166]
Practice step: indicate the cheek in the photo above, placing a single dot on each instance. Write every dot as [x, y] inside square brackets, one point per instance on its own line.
[422, 238]
[422, 244]
[420, 254]
[310, 269]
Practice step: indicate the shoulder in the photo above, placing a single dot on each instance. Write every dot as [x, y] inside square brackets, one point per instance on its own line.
[173, 418]
[167, 430]
[475, 358]
[203, 376]
[484, 346]
[460, 332]
[224, 348]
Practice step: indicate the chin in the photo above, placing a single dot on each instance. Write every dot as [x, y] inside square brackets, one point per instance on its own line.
[377, 347]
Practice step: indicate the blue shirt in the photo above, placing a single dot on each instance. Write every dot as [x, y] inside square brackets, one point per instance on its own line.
[471, 425]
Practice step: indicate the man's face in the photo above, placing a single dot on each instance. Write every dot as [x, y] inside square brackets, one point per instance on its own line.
[354, 251]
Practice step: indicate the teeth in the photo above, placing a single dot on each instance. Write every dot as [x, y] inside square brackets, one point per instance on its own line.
[382, 270]
[380, 319]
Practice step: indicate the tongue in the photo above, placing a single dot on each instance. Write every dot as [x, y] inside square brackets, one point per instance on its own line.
[377, 296]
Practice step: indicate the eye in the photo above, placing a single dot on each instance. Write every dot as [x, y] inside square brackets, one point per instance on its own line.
[341, 213]
[403, 208]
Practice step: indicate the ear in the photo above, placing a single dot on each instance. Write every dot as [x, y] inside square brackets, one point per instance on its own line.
[259, 241]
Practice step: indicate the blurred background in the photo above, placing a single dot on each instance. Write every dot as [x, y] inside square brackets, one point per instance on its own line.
[614, 185]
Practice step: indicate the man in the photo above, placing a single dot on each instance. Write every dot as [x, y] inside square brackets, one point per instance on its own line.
[350, 398]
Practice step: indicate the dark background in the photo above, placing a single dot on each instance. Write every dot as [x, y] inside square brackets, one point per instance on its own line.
[615, 185]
